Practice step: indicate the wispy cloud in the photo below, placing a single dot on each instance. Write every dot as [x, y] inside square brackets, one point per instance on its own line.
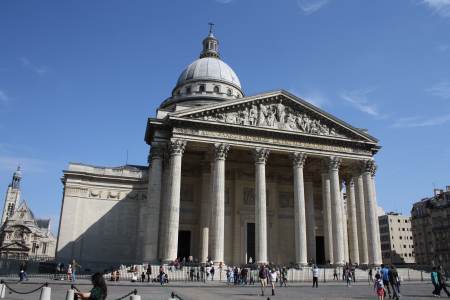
[4, 98]
[440, 89]
[31, 165]
[440, 7]
[443, 48]
[311, 6]
[39, 70]
[359, 100]
[421, 121]
[224, 1]
[314, 97]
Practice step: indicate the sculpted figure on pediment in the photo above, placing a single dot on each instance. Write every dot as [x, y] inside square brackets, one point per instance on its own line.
[273, 115]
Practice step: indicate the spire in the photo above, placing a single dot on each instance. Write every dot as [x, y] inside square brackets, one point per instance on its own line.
[16, 178]
[210, 44]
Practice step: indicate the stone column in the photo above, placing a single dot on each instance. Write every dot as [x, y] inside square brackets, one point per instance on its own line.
[205, 211]
[327, 220]
[176, 149]
[164, 209]
[371, 213]
[336, 210]
[352, 223]
[361, 220]
[261, 156]
[218, 217]
[299, 209]
[344, 226]
[379, 254]
[151, 212]
[310, 221]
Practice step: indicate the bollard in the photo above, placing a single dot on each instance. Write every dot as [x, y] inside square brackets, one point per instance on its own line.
[70, 294]
[2, 291]
[46, 293]
[135, 297]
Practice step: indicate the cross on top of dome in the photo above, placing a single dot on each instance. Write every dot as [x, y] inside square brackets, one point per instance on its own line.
[210, 44]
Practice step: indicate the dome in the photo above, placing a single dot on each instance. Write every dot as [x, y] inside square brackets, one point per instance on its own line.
[209, 69]
[206, 80]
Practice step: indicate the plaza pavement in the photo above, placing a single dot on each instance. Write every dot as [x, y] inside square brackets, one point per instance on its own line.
[215, 290]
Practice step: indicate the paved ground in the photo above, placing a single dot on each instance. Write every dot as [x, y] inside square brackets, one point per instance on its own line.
[187, 291]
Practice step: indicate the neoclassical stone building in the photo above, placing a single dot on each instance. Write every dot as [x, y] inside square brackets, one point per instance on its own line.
[229, 177]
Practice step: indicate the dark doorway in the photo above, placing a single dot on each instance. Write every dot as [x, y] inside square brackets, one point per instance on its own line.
[251, 241]
[184, 244]
[320, 250]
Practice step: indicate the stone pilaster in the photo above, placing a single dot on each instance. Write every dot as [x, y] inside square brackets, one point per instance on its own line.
[218, 217]
[261, 156]
[336, 210]
[361, 220]
[371, 213]
[299, 209]
[151, 209]
[352, 223]
[176, 150]
[310, 221]
[327, 219]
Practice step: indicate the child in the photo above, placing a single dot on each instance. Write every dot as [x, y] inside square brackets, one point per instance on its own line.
[379, 287]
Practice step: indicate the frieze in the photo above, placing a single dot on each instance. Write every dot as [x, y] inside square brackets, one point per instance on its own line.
[268, 140]
[278, 114]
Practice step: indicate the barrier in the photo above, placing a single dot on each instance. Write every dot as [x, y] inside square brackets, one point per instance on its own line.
[70, 294]
[46, 293]
[2, 291]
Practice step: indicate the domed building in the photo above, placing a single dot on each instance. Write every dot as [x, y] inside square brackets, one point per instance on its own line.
[230, 178]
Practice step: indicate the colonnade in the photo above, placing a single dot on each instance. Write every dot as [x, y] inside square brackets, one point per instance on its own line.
[350, 232]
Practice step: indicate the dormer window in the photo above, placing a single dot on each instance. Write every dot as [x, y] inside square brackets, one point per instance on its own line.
[229, 93]
[201, 89]
[216, 89]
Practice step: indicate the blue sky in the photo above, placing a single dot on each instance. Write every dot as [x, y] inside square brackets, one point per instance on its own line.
[78, 79]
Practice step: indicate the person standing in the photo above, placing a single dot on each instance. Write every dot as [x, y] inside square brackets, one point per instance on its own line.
[335, 275]
[263, 278]
[149, 272]
[348, 276]
[75, 267]
[384, 272]
[370, 276]
[436, 281]
[315, 271]
[273, 279]
[393, 283]
[212, 273]
[69, 272]
[379, 287]
[443, 281]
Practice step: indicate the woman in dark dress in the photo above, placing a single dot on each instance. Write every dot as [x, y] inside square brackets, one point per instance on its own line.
[98, 292]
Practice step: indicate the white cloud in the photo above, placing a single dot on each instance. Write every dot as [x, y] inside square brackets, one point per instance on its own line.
[440, 89]
[31, 165]
[39, 70]
[4, 98]
[421, 121]
[440, 7]
[311, 6]
[224, 1]
[358, 98]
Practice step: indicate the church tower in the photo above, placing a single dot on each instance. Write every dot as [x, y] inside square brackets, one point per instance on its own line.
[12, 198]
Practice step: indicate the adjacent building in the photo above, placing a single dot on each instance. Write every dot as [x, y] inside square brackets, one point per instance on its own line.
[22, 235]
[396, 238]
[430, 220]
[229, 177]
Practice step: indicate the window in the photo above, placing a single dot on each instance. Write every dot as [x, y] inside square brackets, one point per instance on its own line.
[44, 248]
[188, 90]
[398, 221]
[216, 89]
[34, 248]
[229, 92]
[201, 89]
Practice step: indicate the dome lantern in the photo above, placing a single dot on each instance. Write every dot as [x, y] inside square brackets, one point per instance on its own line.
[210, 45]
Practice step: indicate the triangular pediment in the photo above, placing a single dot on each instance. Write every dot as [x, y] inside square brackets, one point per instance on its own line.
[279, 111]
[15, 246]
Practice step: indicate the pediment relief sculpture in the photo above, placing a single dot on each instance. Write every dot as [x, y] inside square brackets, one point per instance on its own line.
[277, 114]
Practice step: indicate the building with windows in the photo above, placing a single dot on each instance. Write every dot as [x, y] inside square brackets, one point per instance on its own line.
[430, 220]
[22, 236]
[230, 177]
[396, 238]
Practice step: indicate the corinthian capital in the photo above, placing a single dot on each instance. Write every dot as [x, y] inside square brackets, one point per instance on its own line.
[221, 150]
[369, 166]
[334, 162]
[261, 155]
[176, 147]
[298, 158]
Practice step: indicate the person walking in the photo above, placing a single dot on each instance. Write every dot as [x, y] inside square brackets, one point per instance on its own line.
[393, 283]
[370, 274]
[379, 287]
[335, 275]
[263, 278]
[98, 292]
[384, 272]
[75, 267]
[273, 279]
[283, 275]
[149, 272]
[436, 281]
[212, 273]
[348, 276]
[315, 271]
[443, 280]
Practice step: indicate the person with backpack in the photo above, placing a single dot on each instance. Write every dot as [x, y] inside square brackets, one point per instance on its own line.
[263, 275]
[384, 272]
[436, 281]
[378, 286]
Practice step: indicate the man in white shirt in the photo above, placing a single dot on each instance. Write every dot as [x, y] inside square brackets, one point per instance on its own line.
[316, 274]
